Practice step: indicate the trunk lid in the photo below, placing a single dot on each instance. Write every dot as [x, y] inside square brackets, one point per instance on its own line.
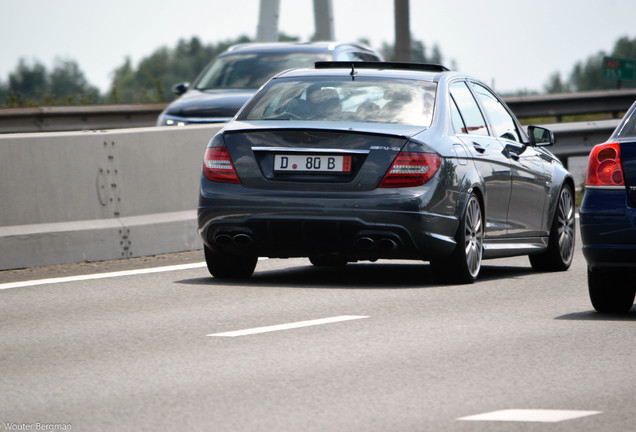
[312, 159]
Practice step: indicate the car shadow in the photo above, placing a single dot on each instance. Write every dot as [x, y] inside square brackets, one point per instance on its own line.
[593, 315]
[357, 276]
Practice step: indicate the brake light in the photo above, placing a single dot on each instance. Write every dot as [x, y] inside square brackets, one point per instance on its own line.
[218, 167]
[411, 169]
[604, 166]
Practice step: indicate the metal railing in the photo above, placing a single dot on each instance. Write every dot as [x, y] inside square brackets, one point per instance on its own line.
[573, 138]
[97, 117]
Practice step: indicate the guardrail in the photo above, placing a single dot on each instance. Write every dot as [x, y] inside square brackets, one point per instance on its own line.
[99, 117]
[77, 118]
[614, 102]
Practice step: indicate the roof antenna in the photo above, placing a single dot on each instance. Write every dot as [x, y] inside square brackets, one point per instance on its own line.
[353, 72]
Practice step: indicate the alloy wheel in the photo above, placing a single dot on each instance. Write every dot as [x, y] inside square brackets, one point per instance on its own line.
[566, 224]
[473, 236]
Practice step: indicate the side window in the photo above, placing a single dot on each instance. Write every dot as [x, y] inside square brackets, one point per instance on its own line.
[474, 120]
[456, 118]
[356, 56]
[501, 121]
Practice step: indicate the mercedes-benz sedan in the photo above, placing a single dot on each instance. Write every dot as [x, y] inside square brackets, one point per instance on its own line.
[366, 161]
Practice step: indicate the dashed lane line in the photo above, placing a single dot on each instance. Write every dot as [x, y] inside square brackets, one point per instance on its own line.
[530, 415]
[30, 283]
[288, 326]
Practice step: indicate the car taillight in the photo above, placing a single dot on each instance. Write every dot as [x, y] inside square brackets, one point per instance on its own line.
[218, 167]
[411, 169]
[604, 166]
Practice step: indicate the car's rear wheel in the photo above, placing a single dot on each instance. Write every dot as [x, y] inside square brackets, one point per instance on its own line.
[560, 252]
[611, 290]
[464, 264]
[230, 266]
[328, 260]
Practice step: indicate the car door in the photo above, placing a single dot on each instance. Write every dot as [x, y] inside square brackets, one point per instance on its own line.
[490, 159]
[529, 171]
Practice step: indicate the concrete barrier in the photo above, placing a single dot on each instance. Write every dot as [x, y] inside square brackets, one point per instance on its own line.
[90, 196]
[97, 195]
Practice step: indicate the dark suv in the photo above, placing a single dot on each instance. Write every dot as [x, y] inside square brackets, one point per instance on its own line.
[234, 76]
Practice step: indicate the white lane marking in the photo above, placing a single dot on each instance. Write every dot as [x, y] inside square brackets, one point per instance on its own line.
[530, 415]
[289, 326]
[100, 275]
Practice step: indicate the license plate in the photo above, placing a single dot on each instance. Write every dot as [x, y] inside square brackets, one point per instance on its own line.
[312, 163]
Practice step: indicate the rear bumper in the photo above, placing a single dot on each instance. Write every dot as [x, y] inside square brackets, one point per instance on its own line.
[299, 224]
[608, 229]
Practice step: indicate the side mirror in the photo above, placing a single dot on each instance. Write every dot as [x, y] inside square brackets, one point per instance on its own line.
[540, 136]
[180, 88]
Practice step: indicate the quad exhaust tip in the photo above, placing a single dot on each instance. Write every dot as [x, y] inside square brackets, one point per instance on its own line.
[387, 244]
[384, 243]
[240, 239]
[365, 243]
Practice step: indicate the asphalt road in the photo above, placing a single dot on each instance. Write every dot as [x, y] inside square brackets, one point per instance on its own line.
[394, 350]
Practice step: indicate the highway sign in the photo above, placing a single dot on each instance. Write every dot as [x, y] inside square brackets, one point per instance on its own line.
[618, 69]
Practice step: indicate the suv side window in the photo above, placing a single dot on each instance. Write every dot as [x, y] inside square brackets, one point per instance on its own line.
[501, 121]
[357, 56]
[470, 112]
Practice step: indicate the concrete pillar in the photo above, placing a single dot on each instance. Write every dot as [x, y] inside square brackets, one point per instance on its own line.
[268, 21]
[402, 31]
[323, 18]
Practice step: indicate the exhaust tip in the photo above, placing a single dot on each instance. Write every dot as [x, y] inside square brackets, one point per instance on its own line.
[242, 239]
[387, 244]
[223, 239]
[365, 242]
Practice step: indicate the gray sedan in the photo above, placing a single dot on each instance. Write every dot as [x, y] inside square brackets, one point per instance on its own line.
[365, 161]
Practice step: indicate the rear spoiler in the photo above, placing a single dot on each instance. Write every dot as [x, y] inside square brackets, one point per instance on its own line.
[425, 67]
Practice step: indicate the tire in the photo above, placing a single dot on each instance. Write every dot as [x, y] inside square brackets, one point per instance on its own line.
[464, 264]
[328, 260]
[560, 252]
[610, 290]
[229, 266]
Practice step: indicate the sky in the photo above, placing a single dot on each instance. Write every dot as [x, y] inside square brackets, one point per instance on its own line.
[509, 44]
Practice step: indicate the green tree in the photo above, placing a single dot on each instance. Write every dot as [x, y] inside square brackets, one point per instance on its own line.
[587, 74]
[418, 52]
[31, 84]
[156, 74]
[28, 82]
[68, 81]
[556, 85]
[4, 92]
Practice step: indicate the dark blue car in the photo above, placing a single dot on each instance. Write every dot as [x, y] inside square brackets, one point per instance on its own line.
[608, 219]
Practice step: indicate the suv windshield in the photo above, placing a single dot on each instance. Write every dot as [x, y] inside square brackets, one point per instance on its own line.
[250, 71]
[363, 100]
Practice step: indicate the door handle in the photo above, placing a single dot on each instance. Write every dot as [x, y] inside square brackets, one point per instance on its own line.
[479, 147]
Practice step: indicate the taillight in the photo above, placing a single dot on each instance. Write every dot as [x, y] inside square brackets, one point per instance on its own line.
[411, 169]
[604, 166]
[218, 167]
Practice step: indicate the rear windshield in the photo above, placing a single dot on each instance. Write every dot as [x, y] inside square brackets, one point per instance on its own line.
[250, 71]
[344, 100]
[628, 129]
